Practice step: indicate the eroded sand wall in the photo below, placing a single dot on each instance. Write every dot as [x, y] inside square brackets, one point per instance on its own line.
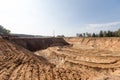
[112, 44]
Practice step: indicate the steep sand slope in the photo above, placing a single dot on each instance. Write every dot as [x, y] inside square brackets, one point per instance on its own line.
[94, 58]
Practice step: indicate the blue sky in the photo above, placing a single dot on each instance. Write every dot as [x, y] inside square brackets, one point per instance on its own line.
[67, 17]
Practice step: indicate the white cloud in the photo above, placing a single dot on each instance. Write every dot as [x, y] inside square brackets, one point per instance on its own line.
[105, 26]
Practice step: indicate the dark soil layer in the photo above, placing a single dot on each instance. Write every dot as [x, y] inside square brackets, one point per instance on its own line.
[34, 44]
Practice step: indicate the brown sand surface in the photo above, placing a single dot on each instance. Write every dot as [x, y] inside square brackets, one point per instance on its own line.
[84, 59]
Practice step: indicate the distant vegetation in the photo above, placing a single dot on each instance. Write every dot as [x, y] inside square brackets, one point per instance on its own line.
[100, 34]
[4, 31]
[60, 36]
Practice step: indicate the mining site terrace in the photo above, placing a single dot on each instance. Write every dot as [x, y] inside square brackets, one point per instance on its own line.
[60, 58]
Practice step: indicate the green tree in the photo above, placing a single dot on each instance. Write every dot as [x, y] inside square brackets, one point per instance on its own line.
[88, 34]
[83, 34]
[105, 34]
[109, 34]
[101, 34]
[93, 35]
[118, 33]
[4, 31]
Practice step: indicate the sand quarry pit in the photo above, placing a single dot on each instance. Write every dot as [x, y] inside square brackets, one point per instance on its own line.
[55, 59]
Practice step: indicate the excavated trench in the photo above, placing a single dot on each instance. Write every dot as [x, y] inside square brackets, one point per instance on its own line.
[34, 44]
[53, 59]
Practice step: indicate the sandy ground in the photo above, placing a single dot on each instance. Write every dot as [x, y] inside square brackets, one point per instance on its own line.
[84, 59]
[96, 59]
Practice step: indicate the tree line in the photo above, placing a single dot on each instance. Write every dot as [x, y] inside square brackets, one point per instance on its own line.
[4, 31]
[100, 34]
